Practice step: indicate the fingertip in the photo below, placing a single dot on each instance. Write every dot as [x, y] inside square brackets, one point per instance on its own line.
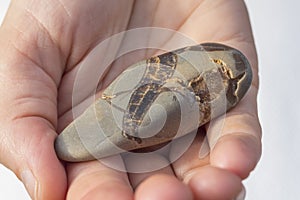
[32, 158]
[213, 183]
[96, 180]
[238, 153]
[49, 183]
[44, 177]
[162, 186]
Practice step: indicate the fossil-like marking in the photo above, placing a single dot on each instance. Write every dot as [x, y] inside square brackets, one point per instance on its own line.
[158, 71]
[227, 75]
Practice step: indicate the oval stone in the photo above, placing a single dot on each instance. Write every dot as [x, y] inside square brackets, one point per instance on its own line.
[157, 100]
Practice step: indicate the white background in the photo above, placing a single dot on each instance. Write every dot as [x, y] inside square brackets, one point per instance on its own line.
[276, 27]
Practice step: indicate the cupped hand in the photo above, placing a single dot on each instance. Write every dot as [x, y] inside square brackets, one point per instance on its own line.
[42, 44]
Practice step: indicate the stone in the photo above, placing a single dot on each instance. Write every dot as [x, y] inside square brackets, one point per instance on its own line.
[157, 100]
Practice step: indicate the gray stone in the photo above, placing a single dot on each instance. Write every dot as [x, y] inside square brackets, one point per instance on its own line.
[157, 100]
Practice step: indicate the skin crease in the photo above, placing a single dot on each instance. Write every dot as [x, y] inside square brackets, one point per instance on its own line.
[41, 46]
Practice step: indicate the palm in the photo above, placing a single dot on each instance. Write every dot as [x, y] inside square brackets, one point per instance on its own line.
[199, 21]
[89, 23]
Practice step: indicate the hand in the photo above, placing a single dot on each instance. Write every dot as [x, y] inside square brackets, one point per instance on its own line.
[41, 46]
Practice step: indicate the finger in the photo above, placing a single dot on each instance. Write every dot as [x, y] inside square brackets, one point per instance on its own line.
[96, 180]
[141, 166]
[205, 181]
[28, 104]
[238, 147]
[213, 183]
[27, 149]
[162, 186]
[28, 118]
[190, 159]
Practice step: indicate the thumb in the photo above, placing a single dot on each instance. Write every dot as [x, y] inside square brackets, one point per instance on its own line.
[27, 149]
[28, 119]
[27, 135]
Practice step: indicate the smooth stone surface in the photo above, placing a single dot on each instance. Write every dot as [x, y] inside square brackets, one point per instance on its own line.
[225, 77]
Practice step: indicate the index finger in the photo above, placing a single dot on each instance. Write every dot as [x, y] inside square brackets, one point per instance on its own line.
[238, 147]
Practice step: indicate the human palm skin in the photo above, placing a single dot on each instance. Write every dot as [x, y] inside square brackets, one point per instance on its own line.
[42, 44]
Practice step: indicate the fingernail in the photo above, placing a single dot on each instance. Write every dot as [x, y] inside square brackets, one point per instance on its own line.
[241, 195]
[30, 183]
